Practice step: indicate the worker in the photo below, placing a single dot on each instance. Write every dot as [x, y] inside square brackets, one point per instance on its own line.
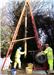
[17, 57]
[49, 52]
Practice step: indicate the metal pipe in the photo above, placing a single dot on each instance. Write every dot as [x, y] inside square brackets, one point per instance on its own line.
[22, 39]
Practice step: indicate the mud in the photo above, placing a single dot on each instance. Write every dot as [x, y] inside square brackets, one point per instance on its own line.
[22, 72]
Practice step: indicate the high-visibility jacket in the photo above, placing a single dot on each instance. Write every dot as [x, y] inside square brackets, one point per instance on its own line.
[18, 53]
[49, 53]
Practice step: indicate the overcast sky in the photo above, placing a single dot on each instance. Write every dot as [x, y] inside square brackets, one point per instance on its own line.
[3, 2]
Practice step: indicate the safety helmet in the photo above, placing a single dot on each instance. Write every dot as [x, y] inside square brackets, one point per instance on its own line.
[46, 44]
[20, 48]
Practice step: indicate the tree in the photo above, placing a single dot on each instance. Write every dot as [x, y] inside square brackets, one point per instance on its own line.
[42, 19]
[46, 24]
[1, 44]
[7, 29]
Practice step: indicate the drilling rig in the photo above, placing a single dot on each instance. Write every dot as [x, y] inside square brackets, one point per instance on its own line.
[40, 48]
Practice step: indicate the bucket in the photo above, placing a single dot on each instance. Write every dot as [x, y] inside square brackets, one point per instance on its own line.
[28, 70]
[14, 71]
[30, 65]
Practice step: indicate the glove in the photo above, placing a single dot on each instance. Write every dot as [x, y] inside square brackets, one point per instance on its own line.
[42, 51]
[25, 51]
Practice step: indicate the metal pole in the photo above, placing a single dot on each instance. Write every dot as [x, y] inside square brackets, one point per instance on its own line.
[34, 27]
[15, 34]
[23, 39]
[25, 45]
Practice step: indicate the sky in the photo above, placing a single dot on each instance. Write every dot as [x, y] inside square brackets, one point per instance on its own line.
[3, 2]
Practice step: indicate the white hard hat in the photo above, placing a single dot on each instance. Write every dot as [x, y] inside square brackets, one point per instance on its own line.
[46, 44]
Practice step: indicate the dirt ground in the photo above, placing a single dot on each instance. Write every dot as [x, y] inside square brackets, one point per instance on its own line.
[23, 72]
[20, 72]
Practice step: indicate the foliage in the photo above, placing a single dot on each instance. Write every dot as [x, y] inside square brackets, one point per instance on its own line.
[9, 23]
[47, 25]
[1, 44]
[41, 21]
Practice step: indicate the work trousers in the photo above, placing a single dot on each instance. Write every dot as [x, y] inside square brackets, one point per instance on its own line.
[17, 61]
[50, 62]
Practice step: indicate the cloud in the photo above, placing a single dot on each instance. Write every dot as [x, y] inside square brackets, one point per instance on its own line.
[3, 2]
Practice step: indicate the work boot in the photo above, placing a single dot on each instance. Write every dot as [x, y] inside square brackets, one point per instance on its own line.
[20, 68]
[52, 71]
[48, 72]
